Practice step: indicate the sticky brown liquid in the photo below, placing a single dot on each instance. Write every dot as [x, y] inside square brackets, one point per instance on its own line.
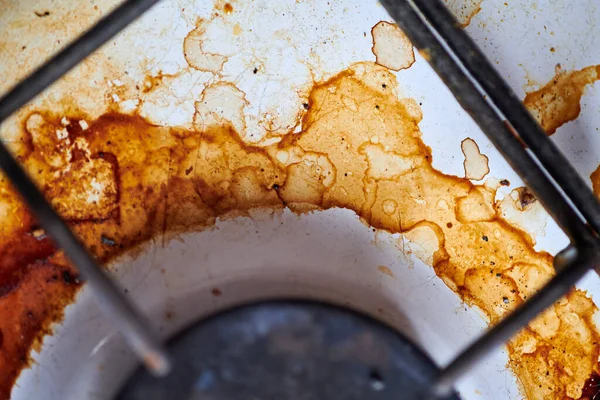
[558, 101]
[359, 148]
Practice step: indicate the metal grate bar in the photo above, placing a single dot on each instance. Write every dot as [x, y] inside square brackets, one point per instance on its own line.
[471, 99]
[137, 331]
[573, 262]
[515, 112]
[464, 70]
[572, 265]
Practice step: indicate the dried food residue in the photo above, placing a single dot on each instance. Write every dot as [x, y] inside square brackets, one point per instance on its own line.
[558, 102]
[120, 181]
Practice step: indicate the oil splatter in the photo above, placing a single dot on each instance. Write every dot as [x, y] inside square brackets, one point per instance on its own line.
[464, 10]
[136, 181]
[558, 102]
[557, 334]
[475, 164]
[391, 47]
[385, 270]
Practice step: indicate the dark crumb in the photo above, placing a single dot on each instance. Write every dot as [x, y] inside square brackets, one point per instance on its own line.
[485, 238]
[526, 197]
[255, 70]
[449, 225]
[505, 300]
[216, 292]
[68, 278]
[377, 107]
[383, 85]
[306, 106]
[42, 14]
[504, 182]
[276, 187]
[189, 170]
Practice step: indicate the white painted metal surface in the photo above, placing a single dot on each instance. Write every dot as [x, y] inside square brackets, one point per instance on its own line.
[327, 255]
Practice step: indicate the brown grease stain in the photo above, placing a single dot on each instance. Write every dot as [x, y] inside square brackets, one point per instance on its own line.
[385, 270]
[122, 181]
[558, 102]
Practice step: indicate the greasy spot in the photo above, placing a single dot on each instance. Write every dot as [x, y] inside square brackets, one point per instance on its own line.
[122, 181]
[475, 164]
[391, 47]
[385, 270]
[558, 102]
[464, 10]
[558, 336]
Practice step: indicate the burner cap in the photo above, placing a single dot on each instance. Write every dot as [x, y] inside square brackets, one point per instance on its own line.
[288, 350]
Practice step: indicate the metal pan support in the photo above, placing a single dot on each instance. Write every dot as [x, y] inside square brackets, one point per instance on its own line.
[547, 173]
[478, 88]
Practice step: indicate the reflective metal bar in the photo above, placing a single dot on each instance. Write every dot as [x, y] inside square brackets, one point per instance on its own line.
[483, 113]
[136, 330]
[503, 97]
[573, 262]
